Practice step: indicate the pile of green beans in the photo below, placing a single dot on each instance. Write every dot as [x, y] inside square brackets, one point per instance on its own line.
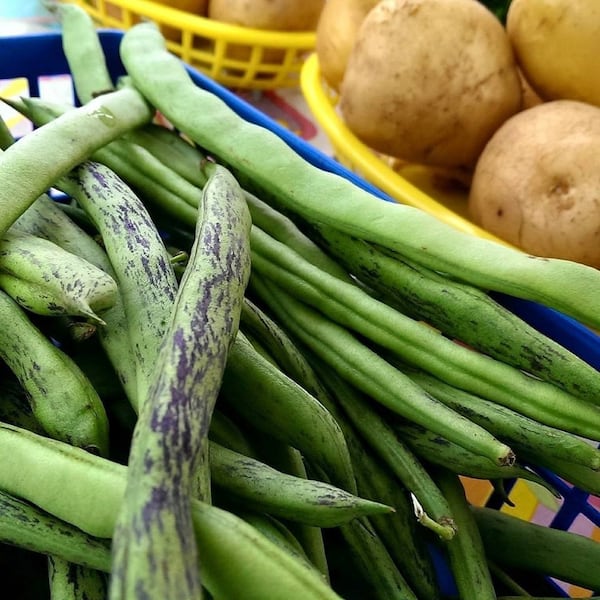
[227, 374]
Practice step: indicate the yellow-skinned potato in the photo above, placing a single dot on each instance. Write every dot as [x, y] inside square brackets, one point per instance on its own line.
[336, 31]
[272, 15]
[275, 15]
[429, 81]
[557, 44]
[537, 182]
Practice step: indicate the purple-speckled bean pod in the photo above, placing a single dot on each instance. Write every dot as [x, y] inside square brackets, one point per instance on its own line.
[141, 262]
[154, 548]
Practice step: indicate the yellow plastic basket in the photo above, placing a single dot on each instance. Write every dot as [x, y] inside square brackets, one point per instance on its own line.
[236, 57]
[414, 185]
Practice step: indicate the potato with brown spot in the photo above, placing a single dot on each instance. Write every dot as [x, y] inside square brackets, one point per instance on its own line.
[429, 81]
[537, 182]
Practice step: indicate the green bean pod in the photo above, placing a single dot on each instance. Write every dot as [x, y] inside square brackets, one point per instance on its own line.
[83, 51]
[62, 399]
[466, 549]
[139, 258]
[265, 162]
[273, 402]
[70, 581]
[529, 438]
[47, 280]
[263, 488]
[171, 435]
[158, 182]
[376, 377]
[44, 218]
[435, 449]
[394, 453]
[463, 312]
[26, 526]
[513, 542]
[87, 491]
[28, 168]
[419, 345]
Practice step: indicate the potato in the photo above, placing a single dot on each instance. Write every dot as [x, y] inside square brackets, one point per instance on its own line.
[429, 81]
[336, 32]
[275, 15]
[557, 44]
[272, 15]
[537, 182]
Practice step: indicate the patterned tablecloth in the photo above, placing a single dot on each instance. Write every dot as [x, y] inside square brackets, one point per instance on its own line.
[288, 107]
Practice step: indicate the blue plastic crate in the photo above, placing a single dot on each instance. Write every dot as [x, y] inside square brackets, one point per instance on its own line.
[37, 56]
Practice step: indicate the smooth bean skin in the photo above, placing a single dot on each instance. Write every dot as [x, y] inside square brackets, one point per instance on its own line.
[266, 163]
[87, 491]
[29, 167]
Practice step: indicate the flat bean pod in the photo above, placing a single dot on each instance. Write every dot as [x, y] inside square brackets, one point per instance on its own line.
[167, 455]
[466, 549]
[83, 51]
[48, 280]
[139, 258]
[87, 490]
[262, 159]
[28, 169]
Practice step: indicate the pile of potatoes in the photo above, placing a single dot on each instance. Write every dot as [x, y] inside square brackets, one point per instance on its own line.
[514, 107]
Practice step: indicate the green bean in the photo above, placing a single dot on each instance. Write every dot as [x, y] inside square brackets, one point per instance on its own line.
[276, 404]
[513, 542]
[48, 280]
[62, 398]
[525, 435]
[276, 531]
[83, 51]
[466, 549]
[397, 530]
[586, 479]
[265, 489]
[290, 461]
[405, 543]
[263, 160]
[46, 219]
[139, 258]
[172, 430]
[437, 450]
[29, 167]
[373, 560]
[463, 312]
[397, 456]
[24, 526]
[284, 230]
[86, 491]
[172, 150]
[158, 182]
[421, 346]
[366, 370]
[69, 581]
